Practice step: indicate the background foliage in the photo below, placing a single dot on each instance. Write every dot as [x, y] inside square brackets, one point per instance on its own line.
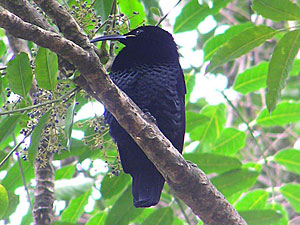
[248, 144]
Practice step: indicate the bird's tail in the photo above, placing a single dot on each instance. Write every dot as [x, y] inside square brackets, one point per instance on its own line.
[146, 188]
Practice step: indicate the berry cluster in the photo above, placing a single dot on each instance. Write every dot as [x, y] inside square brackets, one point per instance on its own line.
[10, 104]
[53, 132]
[100, 139]
[85, 16]
[87, 19]
[95, 140]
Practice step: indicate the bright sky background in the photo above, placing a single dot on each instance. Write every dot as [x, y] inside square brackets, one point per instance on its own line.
[206, 87]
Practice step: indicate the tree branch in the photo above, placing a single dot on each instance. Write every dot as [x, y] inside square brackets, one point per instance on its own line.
[44, 193]
[64, 21]
[187, 181]
[27, 12]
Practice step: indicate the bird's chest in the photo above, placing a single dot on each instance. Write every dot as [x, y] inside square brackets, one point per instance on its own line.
[148, 85]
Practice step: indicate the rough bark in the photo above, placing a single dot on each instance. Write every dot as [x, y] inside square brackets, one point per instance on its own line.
[187, 181]
[27, 12]
[44, 192]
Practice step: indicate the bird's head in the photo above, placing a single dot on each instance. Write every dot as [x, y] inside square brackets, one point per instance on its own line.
[145, 44]
[151, 35]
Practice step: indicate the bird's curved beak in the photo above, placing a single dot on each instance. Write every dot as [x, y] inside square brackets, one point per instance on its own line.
[111, 37]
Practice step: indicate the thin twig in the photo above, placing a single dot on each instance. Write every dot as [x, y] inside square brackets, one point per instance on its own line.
[24, 182]
[165, 16]
[252, 135]
[22, 173]
[14, 149]
[113, 13]
[21, 110]
[182, 210]
[245, 122]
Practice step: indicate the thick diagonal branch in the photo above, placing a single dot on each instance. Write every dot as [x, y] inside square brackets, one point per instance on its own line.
[64, 21]
[188, 182]
[27, 12]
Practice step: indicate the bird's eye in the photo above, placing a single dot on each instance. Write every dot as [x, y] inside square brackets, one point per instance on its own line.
[138, 32]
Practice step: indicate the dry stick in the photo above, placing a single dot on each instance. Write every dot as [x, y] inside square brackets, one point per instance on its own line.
[183, 177]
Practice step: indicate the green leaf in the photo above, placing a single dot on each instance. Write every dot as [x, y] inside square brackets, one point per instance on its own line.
[7, 126]
[285, 112]
[14, 178]
[296, 68]
[98, 219]
[292, 193]
[13, 203]
[160, 216]
[194, 120]
[69, 123]
[123, 210]
[2, 48]
[240, 44]
[280, 65]
[1, 86]
[19, 74]
[111, 186]
[77, 148]
[66, 189]
[190, 81]
[3, 200]
[230, 142]
[290, 159]
[279, 10]
[211, 130]
[256, 199]
[261, 217]
[279, 208]
[155, 11]
[148, 5]
[190, 17]
[146, 212]
[76, 207]
[193, 13]
[65, 172]
[36, 135]
[128, 7]
[216, 42]
[234, 181]
[63, 223]
[46, 69]
[6, 165]
[252, 79]
[103, 7]
[213, 163]
[178, 221]
[217, 5]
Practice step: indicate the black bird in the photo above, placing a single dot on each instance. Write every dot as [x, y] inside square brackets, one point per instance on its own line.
[147, 69]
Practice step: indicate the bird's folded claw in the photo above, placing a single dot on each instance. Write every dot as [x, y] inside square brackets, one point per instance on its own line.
[149, 117]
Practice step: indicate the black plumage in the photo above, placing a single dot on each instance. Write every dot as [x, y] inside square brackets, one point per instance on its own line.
[147, 69]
